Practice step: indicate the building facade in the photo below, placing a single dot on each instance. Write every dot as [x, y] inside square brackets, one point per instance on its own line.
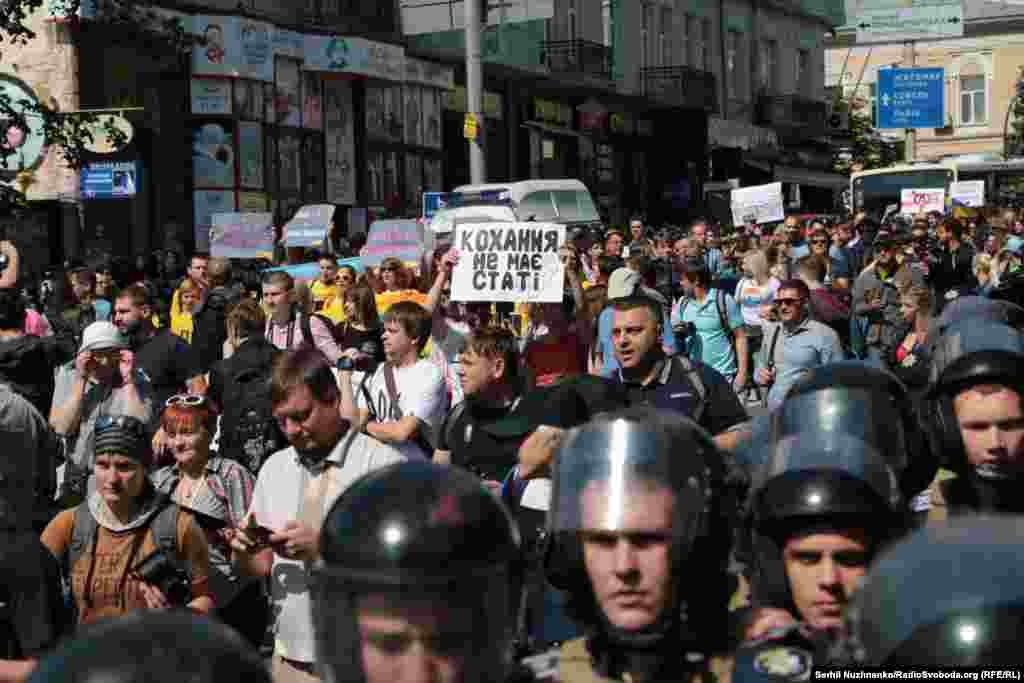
[981, 72]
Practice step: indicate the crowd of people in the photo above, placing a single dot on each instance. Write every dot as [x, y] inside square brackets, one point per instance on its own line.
[728, 454]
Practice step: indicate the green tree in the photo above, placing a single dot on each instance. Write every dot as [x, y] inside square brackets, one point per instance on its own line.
[147, 29]
[864, 147]
[1015, 134]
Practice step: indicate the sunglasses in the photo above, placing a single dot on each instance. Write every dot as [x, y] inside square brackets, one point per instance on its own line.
[819, 242]
[105, 423]
[187, 400]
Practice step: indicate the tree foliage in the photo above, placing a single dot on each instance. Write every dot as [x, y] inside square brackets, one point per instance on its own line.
[1015, 134]
[147, 29]
[865, 147]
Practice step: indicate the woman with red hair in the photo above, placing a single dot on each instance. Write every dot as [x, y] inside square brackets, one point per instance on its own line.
[218, 492]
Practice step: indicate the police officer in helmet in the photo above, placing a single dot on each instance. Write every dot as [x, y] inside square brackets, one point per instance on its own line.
[948, 596]
[415, 580]
[639, 543]
[976, 413]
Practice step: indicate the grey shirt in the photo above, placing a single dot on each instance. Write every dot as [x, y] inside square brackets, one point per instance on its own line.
[29, 468]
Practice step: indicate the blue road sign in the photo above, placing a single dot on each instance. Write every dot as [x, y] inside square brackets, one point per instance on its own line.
[910, 98]
[433, 202]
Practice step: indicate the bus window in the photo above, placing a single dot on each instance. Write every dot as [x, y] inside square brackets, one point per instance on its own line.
[575, 207]
[873, 193]
[537, 206]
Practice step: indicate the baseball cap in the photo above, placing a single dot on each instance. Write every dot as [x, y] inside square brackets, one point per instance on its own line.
[102, 335]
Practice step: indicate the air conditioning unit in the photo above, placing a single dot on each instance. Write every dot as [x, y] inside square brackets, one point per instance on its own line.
[837, 123]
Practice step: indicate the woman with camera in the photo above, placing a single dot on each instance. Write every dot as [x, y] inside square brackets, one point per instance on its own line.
[218, 492]
[127, 546]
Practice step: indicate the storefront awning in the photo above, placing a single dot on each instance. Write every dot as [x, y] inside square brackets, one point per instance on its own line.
[553, 130]
[803, 176]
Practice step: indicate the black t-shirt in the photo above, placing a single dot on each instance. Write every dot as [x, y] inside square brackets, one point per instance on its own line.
[370, 342]
[169, 363]
[35, 615]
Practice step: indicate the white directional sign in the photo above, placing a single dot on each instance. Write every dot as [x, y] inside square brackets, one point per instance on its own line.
[434, 16]
[885, 21]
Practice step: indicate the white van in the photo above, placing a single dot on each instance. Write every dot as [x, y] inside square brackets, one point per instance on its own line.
[545, 201]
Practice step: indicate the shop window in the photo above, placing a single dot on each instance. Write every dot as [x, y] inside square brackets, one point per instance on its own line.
[537, 206]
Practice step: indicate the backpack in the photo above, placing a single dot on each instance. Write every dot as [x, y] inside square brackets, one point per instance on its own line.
[693, 375]
[723, 320]
[249, 432]
[164, 525]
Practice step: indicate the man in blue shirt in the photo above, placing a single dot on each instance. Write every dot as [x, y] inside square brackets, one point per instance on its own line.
[796, 344]
[711, 326]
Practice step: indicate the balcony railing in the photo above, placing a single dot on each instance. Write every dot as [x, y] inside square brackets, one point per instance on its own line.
[577, 57]
[793, 112]
[681, 86]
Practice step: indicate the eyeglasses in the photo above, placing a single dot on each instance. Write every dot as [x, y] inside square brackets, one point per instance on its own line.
[187, 400]
[105, 423]
[788, 302]
[819, 242]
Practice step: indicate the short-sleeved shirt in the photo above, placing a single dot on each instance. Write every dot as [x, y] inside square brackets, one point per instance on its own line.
[168, 362]
[711, 343]
[109, 596]
[751, 296]
[277, 500]
[673, 390]
[421, 394]
[810, 345]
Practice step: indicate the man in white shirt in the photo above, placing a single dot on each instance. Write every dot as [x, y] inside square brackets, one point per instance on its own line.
[280, 536]
[405, 401]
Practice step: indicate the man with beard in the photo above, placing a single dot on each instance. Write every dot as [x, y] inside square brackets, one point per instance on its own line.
[166, 359]
[280, 537]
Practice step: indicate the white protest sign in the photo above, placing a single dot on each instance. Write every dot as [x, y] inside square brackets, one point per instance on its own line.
[760, 204]
[922, 201]
[968, 193]
[508, 262]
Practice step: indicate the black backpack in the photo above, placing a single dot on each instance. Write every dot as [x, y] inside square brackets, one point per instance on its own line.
[249, 432]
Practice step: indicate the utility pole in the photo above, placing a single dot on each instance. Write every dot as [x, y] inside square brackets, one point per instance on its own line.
[474, 89]
[910, 141]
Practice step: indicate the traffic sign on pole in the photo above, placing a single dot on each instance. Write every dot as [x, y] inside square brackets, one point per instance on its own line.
[893, 21]
[910, 98]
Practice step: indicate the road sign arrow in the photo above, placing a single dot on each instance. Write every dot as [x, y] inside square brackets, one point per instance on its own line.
[885, 100]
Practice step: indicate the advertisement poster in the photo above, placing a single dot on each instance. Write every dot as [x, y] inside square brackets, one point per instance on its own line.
[250, 154]
[289, 147]
[508, 262]
[205, 204]
[211, 96]
[241, 235]
[213, 155]
[432, 118]
[288, 43]
[218, 53]
[287, 98]
[413, 115]
[355, 56]
[256, 58]
[249, 100]
[339, 135]
[312, 101]
[109, 180]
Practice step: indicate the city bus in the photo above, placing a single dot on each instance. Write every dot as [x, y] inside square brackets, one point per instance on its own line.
[873, 191]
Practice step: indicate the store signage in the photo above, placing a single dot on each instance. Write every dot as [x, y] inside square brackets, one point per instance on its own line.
[109, 180]
[101, 142]
[345, 54]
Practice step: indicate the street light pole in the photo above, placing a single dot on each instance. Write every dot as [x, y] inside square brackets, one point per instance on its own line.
[910, 141]
[474, 91]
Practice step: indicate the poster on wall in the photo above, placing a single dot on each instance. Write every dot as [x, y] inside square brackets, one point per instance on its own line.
[211, 96]
[205, 204]
[289, 147]
[339, 136]
[312, 101]
[249, 100]
[250, 154]
[413, 115]
[217, 54]
[287, 98]
[256, 54]
[213, 154]
[432, 118]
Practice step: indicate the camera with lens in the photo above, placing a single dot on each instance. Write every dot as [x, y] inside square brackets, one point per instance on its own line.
[684, 330]
[163, 573]
[361, 364]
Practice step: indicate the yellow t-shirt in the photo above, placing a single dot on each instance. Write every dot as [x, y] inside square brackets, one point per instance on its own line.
[321, 293]
[334, 309]
[181, 325]
[386, 300]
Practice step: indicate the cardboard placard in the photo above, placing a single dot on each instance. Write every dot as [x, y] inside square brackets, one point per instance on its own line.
[509, 262]
[242, 235]
[760, 204]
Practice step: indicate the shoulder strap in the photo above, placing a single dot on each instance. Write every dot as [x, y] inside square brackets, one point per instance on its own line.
[165, 529]
[82, 533]
[771, 346]
[723, 320]
[693, 375]
[389, 380]
[307, 328]
[448, 428]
